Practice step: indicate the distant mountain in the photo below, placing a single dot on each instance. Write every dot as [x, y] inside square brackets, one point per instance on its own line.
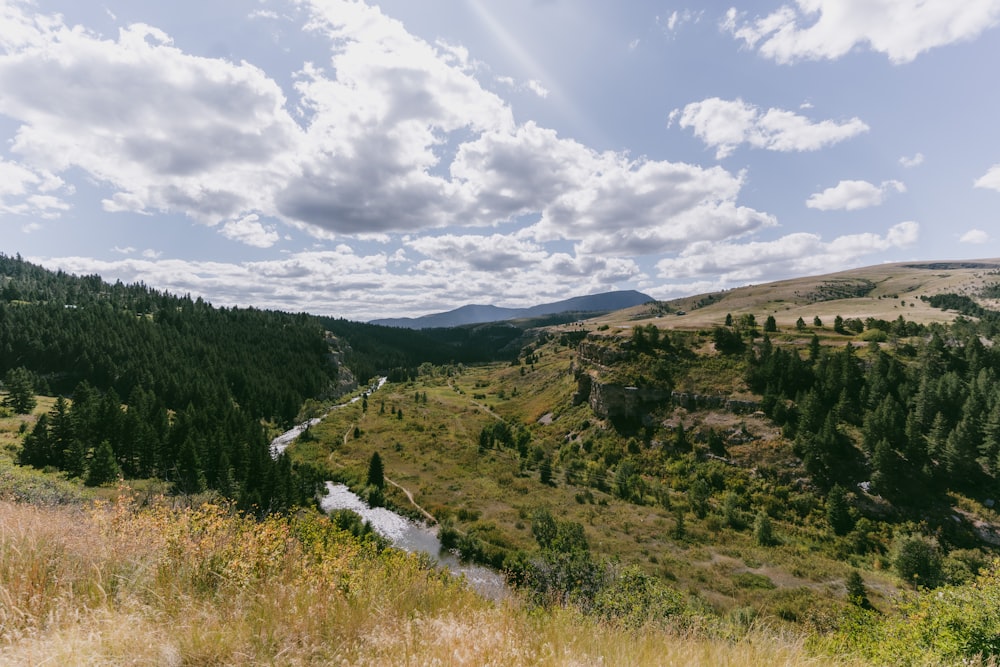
[478, 314]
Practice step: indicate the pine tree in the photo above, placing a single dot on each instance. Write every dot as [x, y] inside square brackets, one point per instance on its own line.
[376, 473]
[36, 450]
[103, 468]
[838, 512]
[857, 593]
[190, 477]
[545, 471]
[763, 531]
[20, 391]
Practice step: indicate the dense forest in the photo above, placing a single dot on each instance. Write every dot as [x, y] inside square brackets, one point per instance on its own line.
[172, 387]
[160, 386]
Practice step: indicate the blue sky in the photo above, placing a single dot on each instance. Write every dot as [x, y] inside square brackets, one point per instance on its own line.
[371, 160]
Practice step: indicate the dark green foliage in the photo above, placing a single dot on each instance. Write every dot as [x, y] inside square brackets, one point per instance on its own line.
[917, 560]
[857, 593]
[545, 471]
[838, 511]
[770, 325]
[103, 468]
[376, 473]
[20, 391]
[220, 371]
[727, 341]
[763, 530]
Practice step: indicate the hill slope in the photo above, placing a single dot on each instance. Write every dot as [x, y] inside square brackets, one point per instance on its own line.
[478, 314]
[883, 291]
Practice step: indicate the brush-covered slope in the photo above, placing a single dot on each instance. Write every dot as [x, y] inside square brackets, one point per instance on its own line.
[883, 291]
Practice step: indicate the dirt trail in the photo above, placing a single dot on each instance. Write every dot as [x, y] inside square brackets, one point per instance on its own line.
[427, 515]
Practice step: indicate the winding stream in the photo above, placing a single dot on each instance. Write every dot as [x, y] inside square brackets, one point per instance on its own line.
[402, 532]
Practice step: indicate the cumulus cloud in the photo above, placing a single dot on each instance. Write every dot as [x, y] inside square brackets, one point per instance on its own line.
[169, 131]
[27, 191]
[794, 254]
[249, 230]
[853, 195]
[483, 253]
[914, 161]
[538, 89]
[726, 124]
[341, 281]
[830, 29]
[975, 236]
[990, 180]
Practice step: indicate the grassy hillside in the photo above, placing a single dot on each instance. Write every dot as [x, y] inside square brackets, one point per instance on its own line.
[662, 488]
[884, 291]
[123, 582]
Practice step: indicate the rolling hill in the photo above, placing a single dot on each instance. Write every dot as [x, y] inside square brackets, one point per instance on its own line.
[479, 314]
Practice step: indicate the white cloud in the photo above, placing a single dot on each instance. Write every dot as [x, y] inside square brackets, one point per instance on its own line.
[28, 191]
[127, 250]
[914, 161]
[990, 180]
[794, 254]
[250, 231]
[31, 227]
[853, 195]
[830, 29]
[483, 253]
[975, 236]
[167, 130]
[726, 124]
[397, 136]
[538, 89]
[607, 202]
[676, 19]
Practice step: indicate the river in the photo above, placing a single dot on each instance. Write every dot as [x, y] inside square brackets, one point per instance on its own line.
[402, 532]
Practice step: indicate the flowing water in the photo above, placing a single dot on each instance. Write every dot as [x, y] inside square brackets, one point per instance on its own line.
[411, 536]
[403, 533]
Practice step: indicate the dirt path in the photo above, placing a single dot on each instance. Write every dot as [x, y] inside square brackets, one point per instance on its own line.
[427, 515]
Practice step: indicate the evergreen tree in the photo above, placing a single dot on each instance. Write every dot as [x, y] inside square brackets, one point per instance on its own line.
[36, 449]
[103, 468]
[190, 476]
[960, 453]
[61, 432]
[770, 324]
[763, 531]
[857, 593]
[20, 391]
[838, 513]
[376, 473]
[545, 471]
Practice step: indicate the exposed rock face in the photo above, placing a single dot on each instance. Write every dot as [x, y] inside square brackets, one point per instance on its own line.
[617, 401]
[691, 401]
[594, 352]
[610, 400]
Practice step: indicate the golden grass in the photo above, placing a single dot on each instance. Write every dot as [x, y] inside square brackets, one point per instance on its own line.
[119, 584]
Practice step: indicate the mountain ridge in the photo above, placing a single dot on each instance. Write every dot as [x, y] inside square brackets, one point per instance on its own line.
[480, 313]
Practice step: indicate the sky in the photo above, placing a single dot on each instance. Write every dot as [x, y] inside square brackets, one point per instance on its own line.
[366, 160]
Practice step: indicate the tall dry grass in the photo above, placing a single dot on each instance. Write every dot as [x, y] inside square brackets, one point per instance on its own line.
[119, 584]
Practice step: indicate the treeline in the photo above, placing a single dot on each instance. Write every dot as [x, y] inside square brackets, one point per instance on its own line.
[161, 386]
[397, 353]
[67, 329]
[98, 439]
[923, 423]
